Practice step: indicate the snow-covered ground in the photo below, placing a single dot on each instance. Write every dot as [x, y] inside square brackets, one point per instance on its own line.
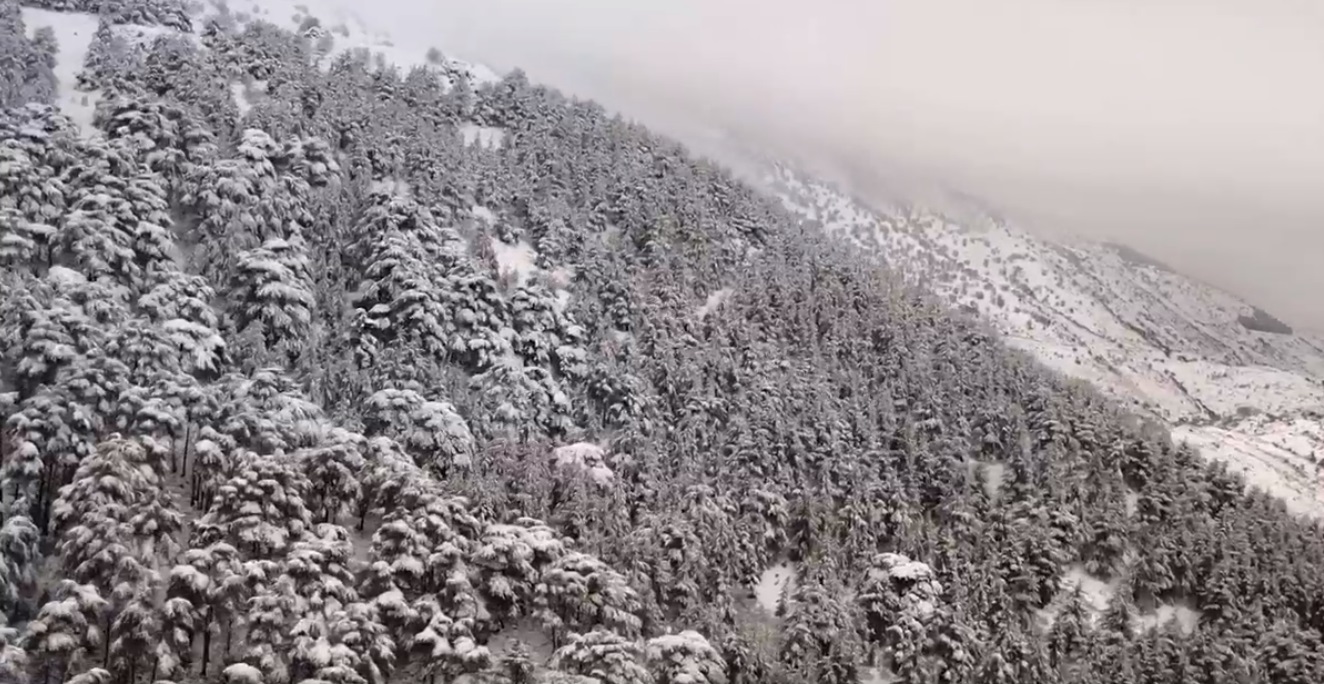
[485, 136]
[518, 259]
[774, 584]
[713, 301]
[1153, 339]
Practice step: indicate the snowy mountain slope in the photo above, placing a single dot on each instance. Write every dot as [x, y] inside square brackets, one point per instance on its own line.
[700, 520]
[1150, 337]
[1144, 334]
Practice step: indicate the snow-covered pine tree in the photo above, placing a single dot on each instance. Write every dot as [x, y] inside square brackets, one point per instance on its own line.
[508, 562]
[447, 647]
[19, 555]
[684, 657]
[604, 656]
[897, 598]
[819, 642]
[65, 638]
[432, 431]
[260, 508]
[14, 664]
[580, 593]
[271, 293]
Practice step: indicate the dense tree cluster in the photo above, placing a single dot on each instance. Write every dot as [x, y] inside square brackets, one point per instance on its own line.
[325, 392]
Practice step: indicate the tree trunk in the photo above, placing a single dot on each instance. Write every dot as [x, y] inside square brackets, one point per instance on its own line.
[206, 641]
[188, 442]
[41, 510]
[106, 658]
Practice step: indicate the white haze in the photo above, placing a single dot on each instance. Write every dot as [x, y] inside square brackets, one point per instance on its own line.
[1190, 129]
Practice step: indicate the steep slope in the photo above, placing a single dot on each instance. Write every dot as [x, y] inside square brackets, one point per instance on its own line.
[1223, 373]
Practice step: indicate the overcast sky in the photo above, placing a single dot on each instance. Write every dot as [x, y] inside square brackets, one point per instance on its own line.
[1190, 129]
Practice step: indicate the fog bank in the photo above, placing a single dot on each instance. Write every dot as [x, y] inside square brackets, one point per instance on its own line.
[1189, 129]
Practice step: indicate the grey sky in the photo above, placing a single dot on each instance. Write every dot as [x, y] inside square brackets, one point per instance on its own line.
[1190, 129]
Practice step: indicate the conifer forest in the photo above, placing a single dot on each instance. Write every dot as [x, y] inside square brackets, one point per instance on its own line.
[401, 375]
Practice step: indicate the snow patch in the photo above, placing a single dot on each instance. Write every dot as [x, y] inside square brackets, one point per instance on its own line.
[994, 475]
[240, 94]
[1096, 591]
[877, 675]
[517, 259]
[1186, 617]
[63, 276]
[562, 302]
[527, 631]
[395, 186]
[1132, 502]
[713, 301]
[73, 36]
[775, 583]
[487, 137]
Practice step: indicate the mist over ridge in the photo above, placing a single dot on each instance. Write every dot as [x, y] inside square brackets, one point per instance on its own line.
[1188, 130]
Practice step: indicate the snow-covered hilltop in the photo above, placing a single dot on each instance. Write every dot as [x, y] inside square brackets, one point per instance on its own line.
[1226, 375]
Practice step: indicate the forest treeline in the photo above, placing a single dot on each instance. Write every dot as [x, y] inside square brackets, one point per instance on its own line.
[380, 374]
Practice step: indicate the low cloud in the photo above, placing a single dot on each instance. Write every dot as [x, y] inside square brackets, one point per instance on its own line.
[1190, 129]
